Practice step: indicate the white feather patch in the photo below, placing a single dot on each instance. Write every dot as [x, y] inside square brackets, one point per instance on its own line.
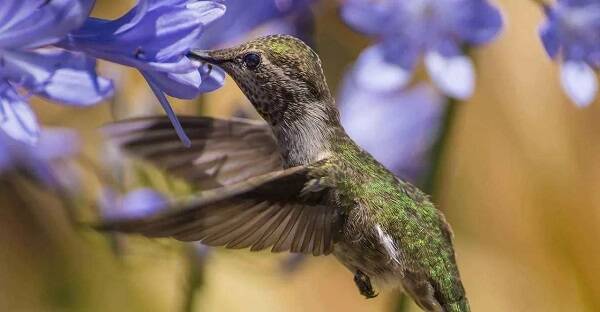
[388, 244]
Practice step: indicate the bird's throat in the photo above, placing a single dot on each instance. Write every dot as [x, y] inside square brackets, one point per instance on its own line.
[307, 137]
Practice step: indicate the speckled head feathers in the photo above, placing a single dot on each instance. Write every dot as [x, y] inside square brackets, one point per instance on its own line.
[280, 75]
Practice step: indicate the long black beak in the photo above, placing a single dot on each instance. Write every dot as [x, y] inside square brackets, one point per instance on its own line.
[208, 56]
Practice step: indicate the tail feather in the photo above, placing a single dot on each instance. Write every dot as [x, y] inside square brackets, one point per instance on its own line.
[429, 297]
[459, 306]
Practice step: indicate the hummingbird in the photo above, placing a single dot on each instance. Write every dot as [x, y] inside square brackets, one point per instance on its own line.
[294, 182]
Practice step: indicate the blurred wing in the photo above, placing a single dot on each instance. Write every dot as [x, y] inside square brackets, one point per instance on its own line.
[276, 209]
[223, 151]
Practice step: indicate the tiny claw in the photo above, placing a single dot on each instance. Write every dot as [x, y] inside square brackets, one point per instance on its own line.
[363, 282]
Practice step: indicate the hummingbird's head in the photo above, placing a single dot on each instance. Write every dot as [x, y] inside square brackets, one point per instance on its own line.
[280, 75]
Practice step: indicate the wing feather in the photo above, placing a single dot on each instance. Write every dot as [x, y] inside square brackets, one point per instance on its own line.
[223, 152]
[274, 230]
[264, 211]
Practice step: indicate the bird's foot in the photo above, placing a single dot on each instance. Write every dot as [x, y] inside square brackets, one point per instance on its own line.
[363, 282]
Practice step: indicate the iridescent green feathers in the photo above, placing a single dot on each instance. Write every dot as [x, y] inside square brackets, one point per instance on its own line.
[417, 228]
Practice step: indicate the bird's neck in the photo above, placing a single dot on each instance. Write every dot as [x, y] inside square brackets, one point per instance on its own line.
[305, 135]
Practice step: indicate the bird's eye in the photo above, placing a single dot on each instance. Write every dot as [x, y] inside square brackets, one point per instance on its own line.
[252, 60]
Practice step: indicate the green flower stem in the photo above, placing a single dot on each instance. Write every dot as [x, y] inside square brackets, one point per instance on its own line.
[195, 279]
[429, 185]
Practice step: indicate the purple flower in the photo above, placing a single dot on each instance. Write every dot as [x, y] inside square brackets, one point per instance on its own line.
[241, 19]
[50, 73]
[571, 34]
[398, 129]
[155, 37]
[38, 161]
[135, 204]
[139, 203]
[410, 29]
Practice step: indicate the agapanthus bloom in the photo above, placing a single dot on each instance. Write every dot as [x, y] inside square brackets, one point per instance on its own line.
[398, 129]
[242, 18]
[134, 204]
[155, 37]
[572, 35]
[410, 29]
[25, 69]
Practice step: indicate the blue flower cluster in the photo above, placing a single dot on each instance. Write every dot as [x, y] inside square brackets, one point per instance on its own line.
[136, 203]
[571, 34]
[49, 49]
[410, 30]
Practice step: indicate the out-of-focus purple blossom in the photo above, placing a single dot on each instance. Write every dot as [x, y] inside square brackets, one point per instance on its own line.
[571, 34]
[240, 19]
[201, 253]
[299, 24]
[135, 204]
[292, 263]
[29, 24]
[38, 161]
[138, 203]
[409, 29]
[155, 37]
[398, 127]
[57, 75]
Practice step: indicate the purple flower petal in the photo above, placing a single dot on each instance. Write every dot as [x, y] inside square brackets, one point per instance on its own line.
[169, 110]
[373, 71]
[35, 23]
[579, 82]
[16, 117]
[191, 84]
[550, 39]
[479, 22]
[134, 16]
[135, 204]
[299, 24]
[57, 75]
[572, 28]
[241, 18]
[156, 41]
[454, 75]
[183, 86]
[212, 77]
[368, 16]
[143, 202]
[408, 29]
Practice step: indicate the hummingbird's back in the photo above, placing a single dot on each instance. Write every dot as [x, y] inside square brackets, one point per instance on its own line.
[392, 232]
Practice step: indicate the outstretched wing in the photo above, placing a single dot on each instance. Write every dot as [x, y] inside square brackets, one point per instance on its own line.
[280, 209]
[222, 152]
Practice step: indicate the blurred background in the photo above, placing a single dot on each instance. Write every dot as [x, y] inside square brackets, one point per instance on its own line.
[517, 176]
